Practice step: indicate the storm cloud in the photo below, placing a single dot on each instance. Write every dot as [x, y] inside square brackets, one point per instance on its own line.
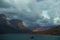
[42, 12]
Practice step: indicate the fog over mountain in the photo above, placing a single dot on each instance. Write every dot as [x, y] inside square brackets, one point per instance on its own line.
[32, 12]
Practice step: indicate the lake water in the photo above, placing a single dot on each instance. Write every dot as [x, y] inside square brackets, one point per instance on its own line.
[28, 37]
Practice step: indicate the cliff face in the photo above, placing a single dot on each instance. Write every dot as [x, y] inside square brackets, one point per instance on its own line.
[51, 31]
[16, 23]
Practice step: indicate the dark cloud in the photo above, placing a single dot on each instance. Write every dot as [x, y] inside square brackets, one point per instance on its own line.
[39, 0]
[32, 12]
[4, 5]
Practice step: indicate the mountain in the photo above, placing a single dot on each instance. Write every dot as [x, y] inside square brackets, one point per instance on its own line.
[17, 24]
[51, 31]
[14, 23]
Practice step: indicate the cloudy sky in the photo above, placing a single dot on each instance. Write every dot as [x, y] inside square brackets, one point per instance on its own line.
[32, 12]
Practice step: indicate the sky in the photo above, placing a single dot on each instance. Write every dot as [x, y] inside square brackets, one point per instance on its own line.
[42, 12]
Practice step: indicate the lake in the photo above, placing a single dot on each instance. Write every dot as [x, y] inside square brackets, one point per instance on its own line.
[28, 37]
